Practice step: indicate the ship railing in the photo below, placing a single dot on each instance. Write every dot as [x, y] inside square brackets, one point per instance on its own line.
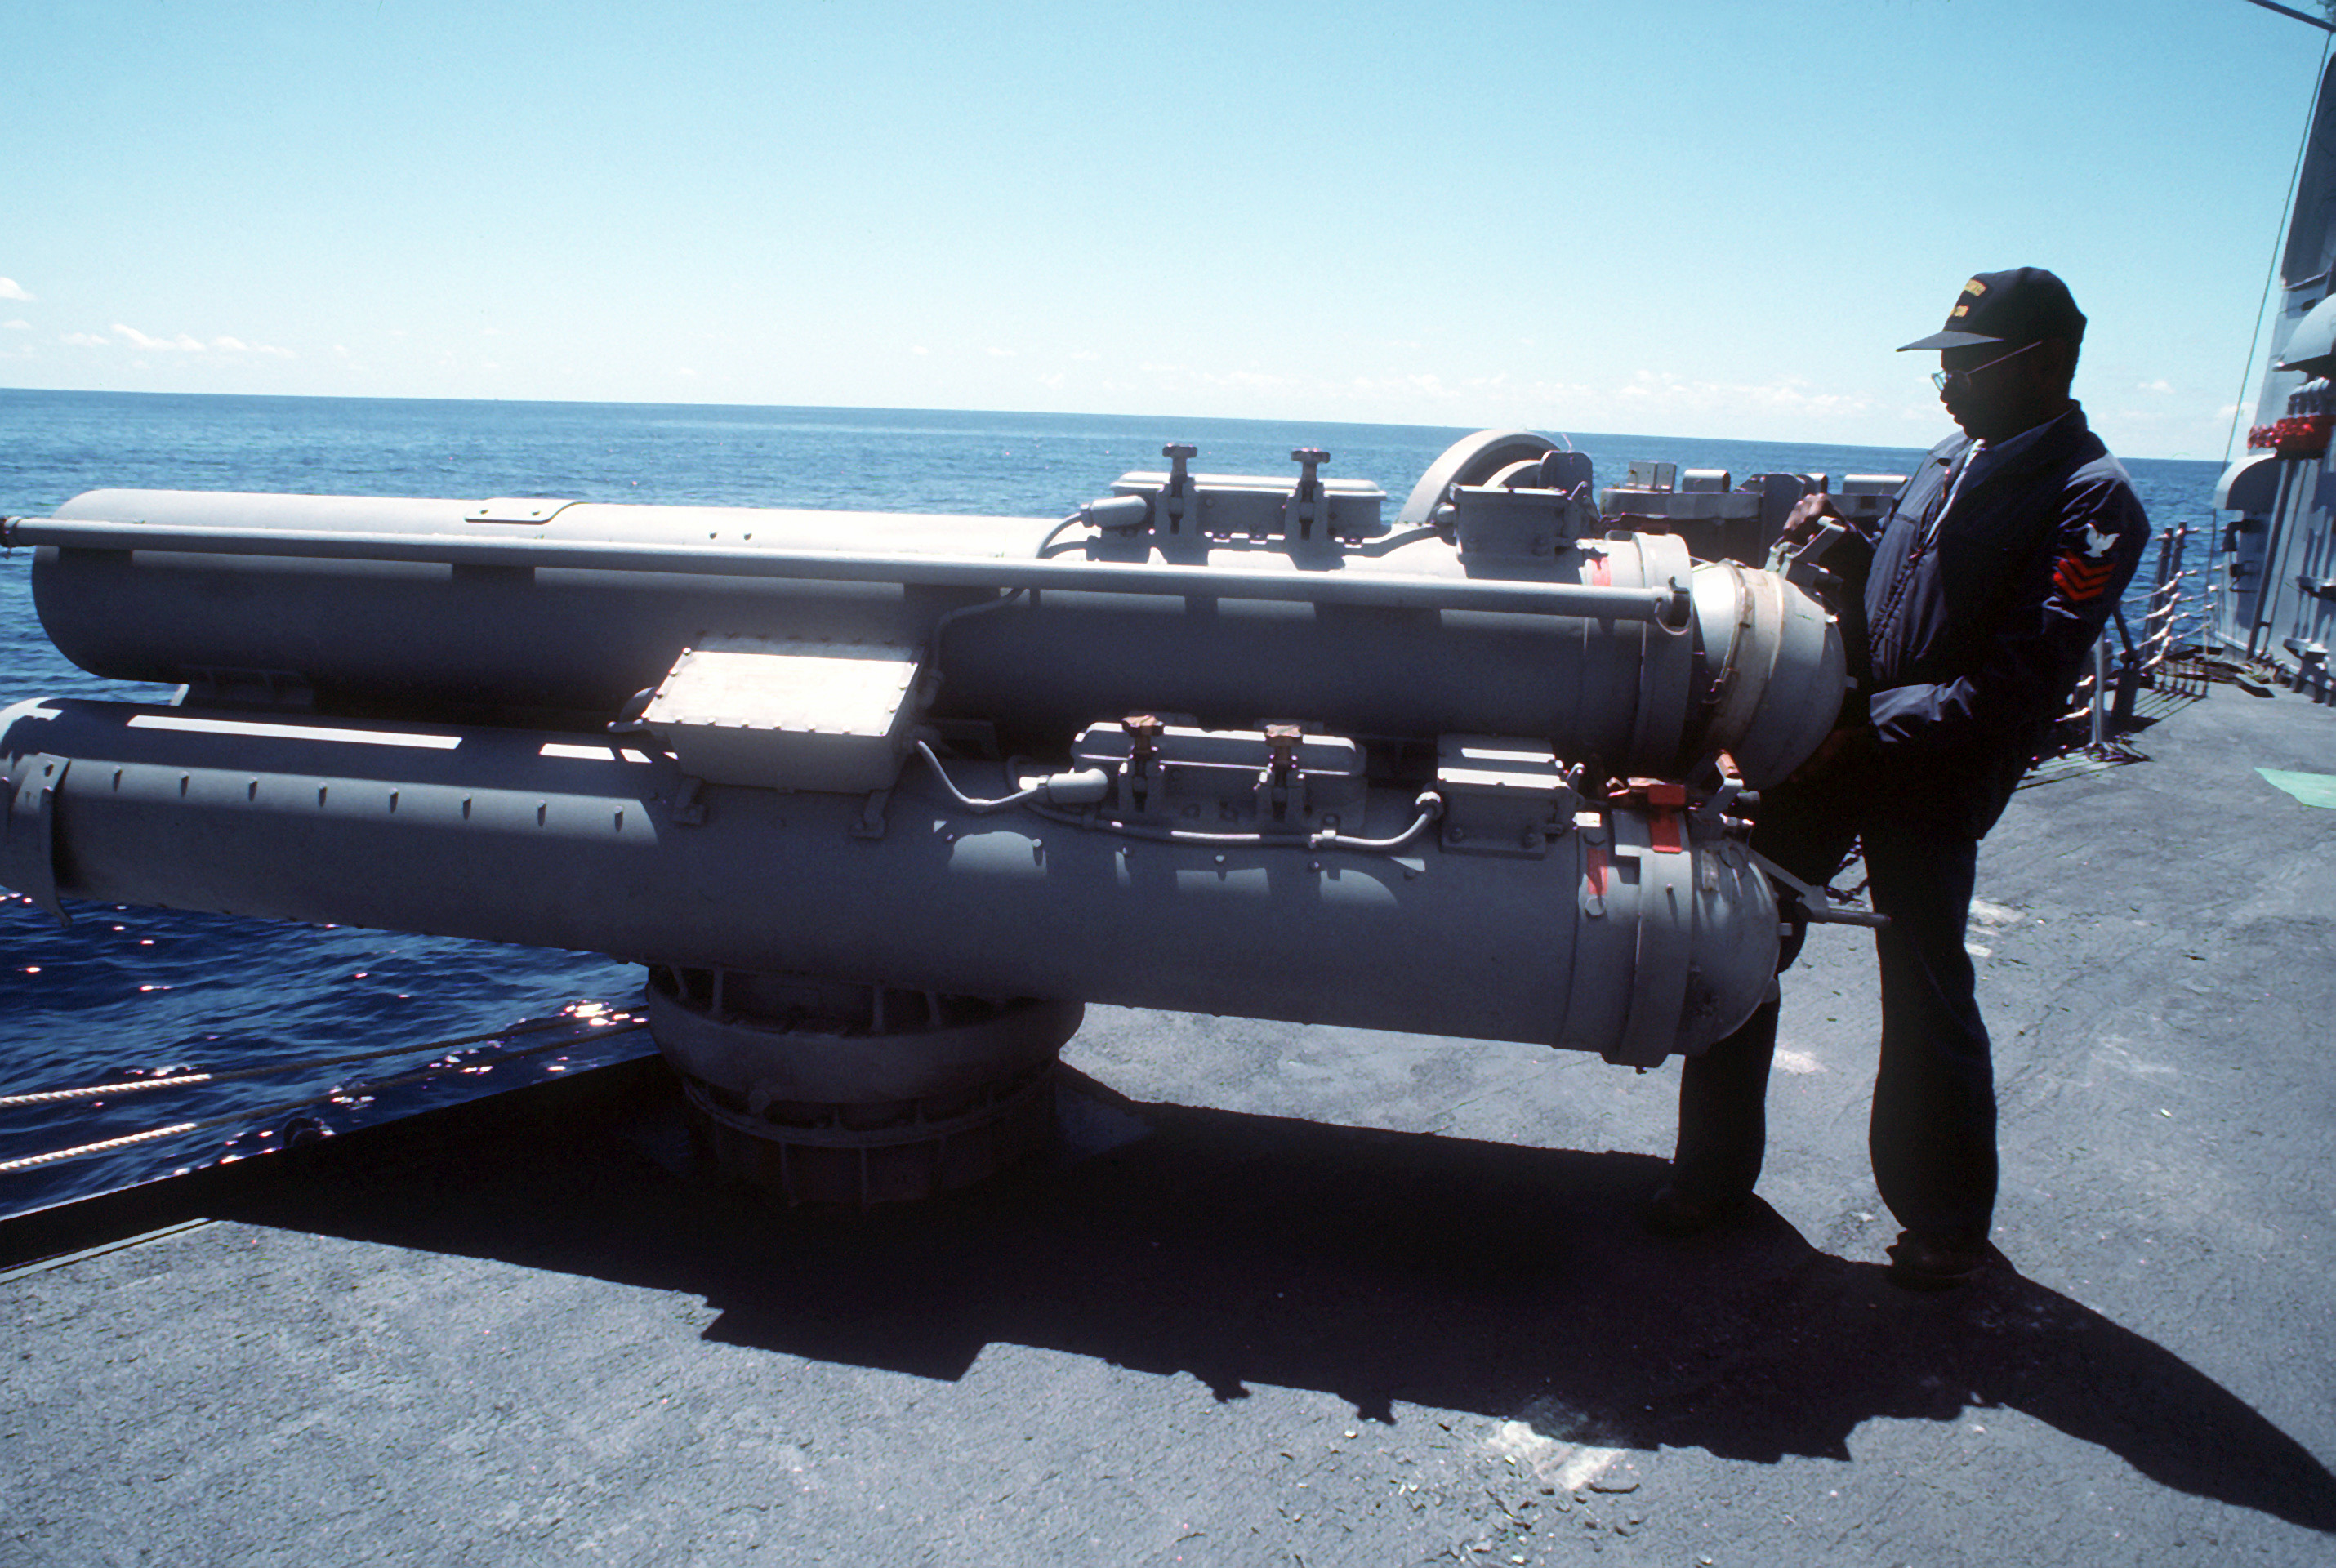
[2173, 624]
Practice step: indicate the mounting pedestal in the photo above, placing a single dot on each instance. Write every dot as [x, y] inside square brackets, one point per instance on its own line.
[818, 1091]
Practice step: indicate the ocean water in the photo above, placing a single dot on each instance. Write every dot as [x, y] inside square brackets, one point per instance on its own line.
[124, 992]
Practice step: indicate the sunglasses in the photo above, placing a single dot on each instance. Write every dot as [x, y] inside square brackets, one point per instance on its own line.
[1941, 379]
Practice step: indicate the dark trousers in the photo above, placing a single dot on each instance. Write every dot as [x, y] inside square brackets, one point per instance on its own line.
[1933, 1133]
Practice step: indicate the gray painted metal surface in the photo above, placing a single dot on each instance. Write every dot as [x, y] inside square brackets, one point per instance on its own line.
[2275, 567]
[365, 604]
[1235, 748]
[1595, 939]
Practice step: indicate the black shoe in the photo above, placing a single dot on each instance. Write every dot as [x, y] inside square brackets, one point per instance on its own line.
[1937, 1262]
[1672, 1211]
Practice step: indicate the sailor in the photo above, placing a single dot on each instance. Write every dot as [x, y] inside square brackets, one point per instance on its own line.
[1985, 585]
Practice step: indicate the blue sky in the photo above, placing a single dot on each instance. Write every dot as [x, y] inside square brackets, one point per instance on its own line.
[1692, 219]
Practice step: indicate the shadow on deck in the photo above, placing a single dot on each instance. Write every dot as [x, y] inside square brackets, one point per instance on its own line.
[1379, 1266]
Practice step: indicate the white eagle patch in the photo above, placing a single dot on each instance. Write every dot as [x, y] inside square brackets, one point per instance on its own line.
[2097, 544]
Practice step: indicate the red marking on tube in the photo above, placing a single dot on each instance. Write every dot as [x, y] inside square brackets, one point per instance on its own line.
[1594, 862]
[1602, 571]
[1664, 803]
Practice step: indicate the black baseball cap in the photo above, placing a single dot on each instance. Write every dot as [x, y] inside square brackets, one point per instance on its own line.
[2026, 304]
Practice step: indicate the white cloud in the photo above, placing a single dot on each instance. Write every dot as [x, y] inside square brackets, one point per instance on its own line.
[2163, 387]
[1790, 396]
[236, 345]
[19, 325]
[182, 343]
[11, 289]
[1001, 354]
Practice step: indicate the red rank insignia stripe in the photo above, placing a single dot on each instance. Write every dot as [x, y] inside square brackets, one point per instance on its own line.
[2082, 579]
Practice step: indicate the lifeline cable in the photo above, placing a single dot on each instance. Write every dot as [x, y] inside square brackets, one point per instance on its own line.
[187, 1080]
[53, 1157]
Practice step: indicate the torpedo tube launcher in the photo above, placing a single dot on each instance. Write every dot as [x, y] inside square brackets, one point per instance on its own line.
[882, 798]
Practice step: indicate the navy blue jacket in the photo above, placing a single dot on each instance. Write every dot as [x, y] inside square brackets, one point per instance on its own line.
[1978, 627]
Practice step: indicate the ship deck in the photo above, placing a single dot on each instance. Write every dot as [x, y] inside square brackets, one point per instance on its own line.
[1301, 1295]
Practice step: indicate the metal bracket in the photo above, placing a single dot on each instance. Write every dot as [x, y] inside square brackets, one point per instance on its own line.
[29, 849]
[871, 824]
[1308, 504]
[1136, 778]
[1280, 772]
[1665, 927]
[1179, 493]
[1313, 514]
[683, 808]
[1503, 795]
